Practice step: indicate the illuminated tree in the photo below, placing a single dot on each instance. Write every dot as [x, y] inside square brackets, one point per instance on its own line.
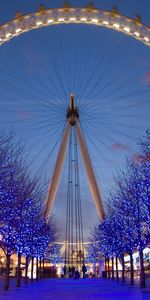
[23, 228]
[30, 195]
[11, 166]
[126, 227]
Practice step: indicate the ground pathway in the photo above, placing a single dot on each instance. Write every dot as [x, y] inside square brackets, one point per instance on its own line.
[70, 289]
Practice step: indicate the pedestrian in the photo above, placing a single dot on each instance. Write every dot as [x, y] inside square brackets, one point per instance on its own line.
[70, 272]
[84, 270]
[77, 274]
[73, 271]
[65, 269]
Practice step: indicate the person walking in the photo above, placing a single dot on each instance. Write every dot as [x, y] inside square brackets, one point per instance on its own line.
[65, 269]
[73, 271]
[70, 272]
[84, 270]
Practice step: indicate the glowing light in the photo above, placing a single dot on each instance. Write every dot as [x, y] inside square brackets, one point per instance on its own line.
[83, 19]
[61, 19]
[1, 40]
[50, 21]
[8, 35]
[116, 25]
[94, 20]
[38, 23]
[127, 29]
[18, 30]
[105, 22]
[72, 19]
[59, 271]
[137, 33]
[146, 39]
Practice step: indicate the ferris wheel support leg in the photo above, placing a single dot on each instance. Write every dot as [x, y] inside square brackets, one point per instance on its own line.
[53, 187]
[90, 173]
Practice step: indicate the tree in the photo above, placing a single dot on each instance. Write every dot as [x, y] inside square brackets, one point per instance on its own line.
[22, 225]
[30, 193]
[11, 166]
[126, 227]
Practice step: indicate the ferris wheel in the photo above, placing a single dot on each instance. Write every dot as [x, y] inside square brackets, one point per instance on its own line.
[89, 15]
[96, 89]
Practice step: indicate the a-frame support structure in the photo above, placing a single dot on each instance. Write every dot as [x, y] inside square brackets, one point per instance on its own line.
[73, 120]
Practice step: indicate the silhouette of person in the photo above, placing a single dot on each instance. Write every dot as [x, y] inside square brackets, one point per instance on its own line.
[77, 274]
[70, 272]
[73, 271]
[65, 269]
[84, 270]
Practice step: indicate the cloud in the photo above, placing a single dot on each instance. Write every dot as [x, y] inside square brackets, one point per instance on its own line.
[23, 114]
[137, 158]
[146, 78]
[119, 147]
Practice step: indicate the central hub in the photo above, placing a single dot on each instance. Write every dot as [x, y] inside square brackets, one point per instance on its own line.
[72, 111]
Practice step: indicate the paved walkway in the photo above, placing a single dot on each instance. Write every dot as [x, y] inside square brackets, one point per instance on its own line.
[70, 289]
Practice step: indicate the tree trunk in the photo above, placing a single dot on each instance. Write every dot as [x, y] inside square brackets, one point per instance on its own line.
[131, 269]
[112, 267]
[26, 270]
[43, 267]
[6, 286]
[117, 275]
[18, 271]
[123, 277]
[142, 272]
[40, 275]
[32, 266]
[37, 269]
[108, 269]
[105, 264]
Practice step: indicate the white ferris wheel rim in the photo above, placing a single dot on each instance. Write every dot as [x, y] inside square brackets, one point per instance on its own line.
[48, 17]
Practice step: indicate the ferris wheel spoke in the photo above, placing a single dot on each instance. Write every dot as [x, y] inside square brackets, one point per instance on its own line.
[54, 142]
[32, 97]
[46, 73]
[123, 87]
[112, 115]
[99, 58]
[111, 118]
[35, 127]
[52, 133]
[83, 69]
[59, 79]
[99, 79]
[24, 89]
[104, 104]
[126, 84]
[111, 66]
[106, 133]
[122, 106]
[109, 162]
[48, 156]
[47, 144]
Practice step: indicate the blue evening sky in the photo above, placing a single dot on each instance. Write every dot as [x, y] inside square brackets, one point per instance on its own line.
[128, 7]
